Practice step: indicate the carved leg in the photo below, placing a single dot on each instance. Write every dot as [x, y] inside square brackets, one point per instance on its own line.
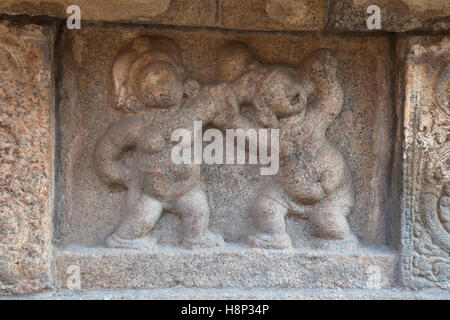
[269, 218]
[142, 213]
[194, 210]
[332, 229]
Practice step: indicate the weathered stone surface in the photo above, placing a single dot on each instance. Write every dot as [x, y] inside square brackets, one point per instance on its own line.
[274, 14]
[233, 267]
[426, 162]
[396, 15]
[334, 15]
[302, 15]
[129, 10]
[176, 12]
[26, 157]
[189, 12]
[239, 294]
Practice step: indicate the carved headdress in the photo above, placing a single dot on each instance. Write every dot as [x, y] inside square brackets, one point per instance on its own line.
[148, 72]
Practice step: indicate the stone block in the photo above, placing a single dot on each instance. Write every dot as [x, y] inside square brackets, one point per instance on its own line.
[232, 267]
[26, 157]
[176, 12]
[305, 15]
[395, 15]
[426, 161]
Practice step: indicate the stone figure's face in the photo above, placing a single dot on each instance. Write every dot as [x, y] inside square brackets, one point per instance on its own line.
[148, 74]
[284, 93]
[160, 85]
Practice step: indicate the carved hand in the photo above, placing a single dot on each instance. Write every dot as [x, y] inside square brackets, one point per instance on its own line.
[121, 135]
[322, 67]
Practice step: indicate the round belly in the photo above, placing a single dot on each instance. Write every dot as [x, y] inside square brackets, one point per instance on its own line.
[297, 177]
[163, 179]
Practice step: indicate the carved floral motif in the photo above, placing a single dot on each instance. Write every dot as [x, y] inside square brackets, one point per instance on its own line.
[427, 259]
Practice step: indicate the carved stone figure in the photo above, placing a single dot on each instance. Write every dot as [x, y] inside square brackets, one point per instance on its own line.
[150, 82]
[314, 180]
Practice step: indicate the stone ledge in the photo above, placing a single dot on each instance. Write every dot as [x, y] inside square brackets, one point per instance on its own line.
[294, 15]
[224, 268]
[334, 15]
[178, 12]
[236, 294]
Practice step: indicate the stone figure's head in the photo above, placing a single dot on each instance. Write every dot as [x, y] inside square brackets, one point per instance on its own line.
[284, 92]
[149, 73]
[275, 90]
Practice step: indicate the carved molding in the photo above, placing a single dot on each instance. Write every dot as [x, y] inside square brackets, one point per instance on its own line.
[427, 165]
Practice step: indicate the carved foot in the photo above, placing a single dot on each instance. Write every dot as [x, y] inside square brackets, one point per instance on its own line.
[114, 241]
[346, 244]
[270, 241]
[209, 240]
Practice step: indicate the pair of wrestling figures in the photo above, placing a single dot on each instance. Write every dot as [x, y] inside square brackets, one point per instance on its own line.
[313, 180]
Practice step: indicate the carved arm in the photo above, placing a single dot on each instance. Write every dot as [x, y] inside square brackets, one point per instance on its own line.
[123, 134]
[322, 68]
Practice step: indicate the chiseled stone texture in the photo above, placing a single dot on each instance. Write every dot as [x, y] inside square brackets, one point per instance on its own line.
[334, 15]
[426, 162]
[308, 15]
[234, 267]
[26, 157]
[396, 15]
[177, 12]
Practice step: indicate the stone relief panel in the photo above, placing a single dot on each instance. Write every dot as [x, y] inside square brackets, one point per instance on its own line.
[119, 109]
[314, 179]
[25, 158]
[426, 238]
